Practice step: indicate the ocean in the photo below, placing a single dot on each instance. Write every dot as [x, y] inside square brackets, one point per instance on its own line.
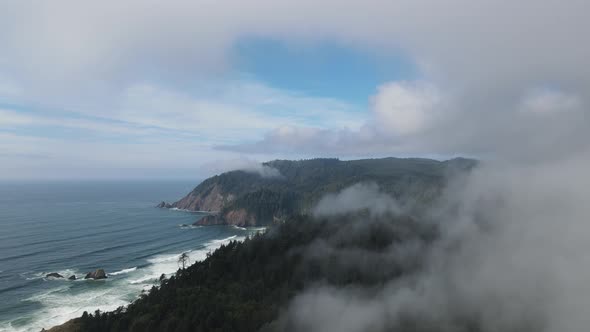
[75, 227]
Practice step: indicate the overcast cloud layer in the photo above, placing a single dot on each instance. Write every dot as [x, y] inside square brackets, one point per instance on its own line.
[506, 79]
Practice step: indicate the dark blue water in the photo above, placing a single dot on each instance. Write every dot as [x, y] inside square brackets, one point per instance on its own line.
[76, 227]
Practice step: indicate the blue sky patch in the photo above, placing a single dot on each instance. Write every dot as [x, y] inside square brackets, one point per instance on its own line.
[322, 70]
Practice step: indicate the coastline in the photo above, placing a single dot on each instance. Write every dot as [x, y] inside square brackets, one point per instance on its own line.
[72, 325]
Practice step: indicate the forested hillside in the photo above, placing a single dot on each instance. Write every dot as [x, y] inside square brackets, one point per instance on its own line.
[247, 198]
[246, 286]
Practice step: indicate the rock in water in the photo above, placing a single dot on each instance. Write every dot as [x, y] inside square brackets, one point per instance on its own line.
[54, 275]
[72, 277]
[98, 274]
[164, 205]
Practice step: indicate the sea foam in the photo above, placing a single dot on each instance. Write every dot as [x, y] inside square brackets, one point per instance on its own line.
[124, 271]
[65, 302]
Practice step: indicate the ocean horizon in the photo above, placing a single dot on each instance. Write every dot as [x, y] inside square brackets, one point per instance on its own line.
[74, 227]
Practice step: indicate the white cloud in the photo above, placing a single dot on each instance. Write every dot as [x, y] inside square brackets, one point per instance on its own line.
[510, 254]
[12, 118]
[549, 101]
[241, 163]
[8, 88]
[402, 108]
[478, 61]
[418, 118]
[358, 197]
[106, 46]
[237, 110]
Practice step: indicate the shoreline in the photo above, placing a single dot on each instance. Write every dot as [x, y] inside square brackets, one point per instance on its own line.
[71, 325]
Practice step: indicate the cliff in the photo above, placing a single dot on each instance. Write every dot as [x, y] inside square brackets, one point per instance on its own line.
[239, 217]
[248, 199]
[211, 199]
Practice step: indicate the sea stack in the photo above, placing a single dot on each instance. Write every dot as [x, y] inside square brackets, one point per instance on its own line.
[164, 205]
[98, 274]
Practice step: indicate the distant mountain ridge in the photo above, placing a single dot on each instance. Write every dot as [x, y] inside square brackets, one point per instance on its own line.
[245, 198]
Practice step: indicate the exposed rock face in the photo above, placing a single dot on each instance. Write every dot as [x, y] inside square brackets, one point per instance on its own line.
[72, 277]
[210, 220]
[54, 275]
[98, 274]
[212, 199]
[238, 217]
[164, 205]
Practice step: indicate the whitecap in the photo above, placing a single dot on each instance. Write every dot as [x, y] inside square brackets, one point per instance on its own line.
[185, 226]
[142, 280]
[60, 305]
[124, 271]
[63, 303]
[227, 239]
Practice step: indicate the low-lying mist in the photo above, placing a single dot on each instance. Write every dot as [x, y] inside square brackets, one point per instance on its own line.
[510, 253]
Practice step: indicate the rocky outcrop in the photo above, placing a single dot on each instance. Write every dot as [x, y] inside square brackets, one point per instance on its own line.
[211, 199]
[239, 218]
[54, 275]
[210, 220]
[234, 217]
[164, 205]
[98, 274]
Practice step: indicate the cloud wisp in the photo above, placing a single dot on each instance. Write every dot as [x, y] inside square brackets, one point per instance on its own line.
[359, 197]
[510, 255]
[155, 127]
[241, 164]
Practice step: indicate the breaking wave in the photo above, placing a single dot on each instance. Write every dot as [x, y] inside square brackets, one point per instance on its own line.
[70, 299]
[124, 271]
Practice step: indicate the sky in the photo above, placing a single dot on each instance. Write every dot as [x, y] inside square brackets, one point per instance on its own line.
[183, 89]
